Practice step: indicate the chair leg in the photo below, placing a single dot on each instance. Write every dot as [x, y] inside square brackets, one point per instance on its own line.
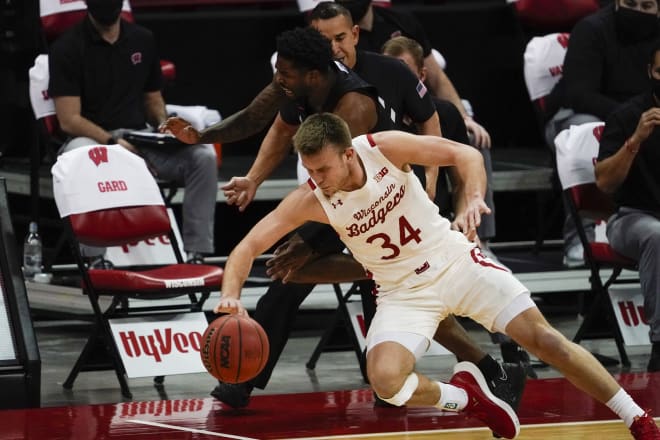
[327, 334]
[82, 359]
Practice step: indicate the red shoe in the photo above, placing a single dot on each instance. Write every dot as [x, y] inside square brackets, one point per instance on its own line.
[645, 428]
[482, 404]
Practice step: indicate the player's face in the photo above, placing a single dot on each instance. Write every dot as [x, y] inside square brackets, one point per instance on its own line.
[328, 169]
[342, 35]
[646, 6]
[291, 79]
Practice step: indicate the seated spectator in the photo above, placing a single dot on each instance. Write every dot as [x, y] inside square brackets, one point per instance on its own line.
[604, 66]
[378, 24]
[105, 80]
[627, 168]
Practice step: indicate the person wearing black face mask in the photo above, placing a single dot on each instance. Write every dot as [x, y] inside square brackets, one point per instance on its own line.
[104, 12]
[627, 167]
[604, 66]
[105, 80]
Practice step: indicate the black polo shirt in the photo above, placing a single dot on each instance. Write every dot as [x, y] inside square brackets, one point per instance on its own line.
[389, 23]
[635, 190]
[110, 79]
[402, 96]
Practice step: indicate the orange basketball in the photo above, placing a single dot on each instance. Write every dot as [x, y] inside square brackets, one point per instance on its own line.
[234, 348]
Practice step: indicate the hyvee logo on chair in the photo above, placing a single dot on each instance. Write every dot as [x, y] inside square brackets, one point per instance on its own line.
[159, 344]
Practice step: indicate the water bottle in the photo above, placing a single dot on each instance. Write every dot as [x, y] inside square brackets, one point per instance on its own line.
[32, 253]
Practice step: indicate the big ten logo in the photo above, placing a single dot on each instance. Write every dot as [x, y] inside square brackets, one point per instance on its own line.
[159, 344]
[632, 314]
[160, 407]
[163, 239]
[379, 176]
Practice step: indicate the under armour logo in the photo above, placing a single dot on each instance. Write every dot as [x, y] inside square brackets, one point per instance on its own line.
[339, 203]
[98, 154]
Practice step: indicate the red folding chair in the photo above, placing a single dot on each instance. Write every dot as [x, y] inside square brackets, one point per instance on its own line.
[107, 197]
[577, 149]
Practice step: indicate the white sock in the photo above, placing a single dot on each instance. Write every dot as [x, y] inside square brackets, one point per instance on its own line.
[452, 398]
[625, 407]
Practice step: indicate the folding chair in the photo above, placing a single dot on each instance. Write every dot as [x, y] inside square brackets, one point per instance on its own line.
[554, 15]
[577, 149]
[106, 197]
[543, 67]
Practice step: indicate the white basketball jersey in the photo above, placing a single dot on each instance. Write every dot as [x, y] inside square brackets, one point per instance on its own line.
[390, 225]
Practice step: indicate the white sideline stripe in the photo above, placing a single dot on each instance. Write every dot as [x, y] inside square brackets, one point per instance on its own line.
[449, 431]
[196, 431]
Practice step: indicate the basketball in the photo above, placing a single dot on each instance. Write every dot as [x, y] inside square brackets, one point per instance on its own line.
[234, 348]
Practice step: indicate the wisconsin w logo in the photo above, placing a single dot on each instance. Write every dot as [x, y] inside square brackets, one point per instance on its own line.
[98, 154]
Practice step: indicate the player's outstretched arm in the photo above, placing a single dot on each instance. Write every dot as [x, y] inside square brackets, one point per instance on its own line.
[296, 208]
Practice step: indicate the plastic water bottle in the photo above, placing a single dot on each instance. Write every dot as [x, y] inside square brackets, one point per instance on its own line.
[32, 253]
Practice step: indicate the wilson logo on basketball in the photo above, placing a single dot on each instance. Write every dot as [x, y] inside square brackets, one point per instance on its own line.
[225, 346]
[159, 344]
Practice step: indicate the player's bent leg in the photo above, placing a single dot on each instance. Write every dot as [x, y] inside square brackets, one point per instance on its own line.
[390, 364]
[531, 330]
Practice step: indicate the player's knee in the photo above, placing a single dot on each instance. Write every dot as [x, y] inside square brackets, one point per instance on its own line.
[386, 378]
[397, 394]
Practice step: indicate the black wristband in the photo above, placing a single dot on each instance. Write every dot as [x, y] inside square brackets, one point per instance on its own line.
[111, 140]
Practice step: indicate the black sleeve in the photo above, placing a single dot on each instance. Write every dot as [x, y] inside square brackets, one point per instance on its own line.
[64, 65]
[321, 238]
[452, 123]
[583, 71]
[613, 137]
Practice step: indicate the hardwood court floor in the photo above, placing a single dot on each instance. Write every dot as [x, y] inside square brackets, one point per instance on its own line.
[550, 409]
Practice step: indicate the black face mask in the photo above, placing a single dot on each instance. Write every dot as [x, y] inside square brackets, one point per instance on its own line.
[357, 8]
[634, 25]
[106, 12]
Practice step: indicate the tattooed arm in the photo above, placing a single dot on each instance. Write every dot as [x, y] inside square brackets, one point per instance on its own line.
[240, 125]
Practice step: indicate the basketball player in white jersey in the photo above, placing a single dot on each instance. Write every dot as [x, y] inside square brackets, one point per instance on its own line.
[364, 188]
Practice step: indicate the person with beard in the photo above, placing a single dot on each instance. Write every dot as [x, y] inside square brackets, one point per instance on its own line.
[604, 66]
[105, 80]
[629, 152]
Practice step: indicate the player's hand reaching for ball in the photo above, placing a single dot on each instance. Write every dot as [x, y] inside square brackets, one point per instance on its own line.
[181, 129]
[230, 305]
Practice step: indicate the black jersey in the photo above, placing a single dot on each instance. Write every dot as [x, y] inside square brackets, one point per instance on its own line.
[402, 96]
[295, 111]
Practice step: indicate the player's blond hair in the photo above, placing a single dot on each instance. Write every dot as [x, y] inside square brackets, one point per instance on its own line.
[319, 130]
